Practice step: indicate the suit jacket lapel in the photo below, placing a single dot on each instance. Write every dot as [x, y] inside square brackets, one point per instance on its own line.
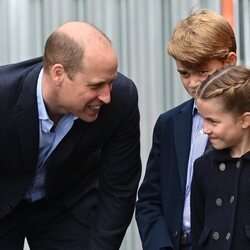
[70, 141]
[26, 118]
[183, 128]
[29, 138]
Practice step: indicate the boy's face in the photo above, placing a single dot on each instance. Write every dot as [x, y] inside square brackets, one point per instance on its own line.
[191, 78]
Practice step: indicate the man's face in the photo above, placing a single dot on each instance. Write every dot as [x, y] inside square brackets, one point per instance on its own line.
[85, 94]
[191, 78]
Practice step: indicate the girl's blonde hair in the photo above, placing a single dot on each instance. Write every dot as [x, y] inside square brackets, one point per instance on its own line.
[232, 83]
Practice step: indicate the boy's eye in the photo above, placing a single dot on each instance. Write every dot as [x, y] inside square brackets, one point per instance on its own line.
[184, 74]
[203, 72]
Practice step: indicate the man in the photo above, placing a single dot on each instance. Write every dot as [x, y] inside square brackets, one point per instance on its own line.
[201, 43]
[70, 151]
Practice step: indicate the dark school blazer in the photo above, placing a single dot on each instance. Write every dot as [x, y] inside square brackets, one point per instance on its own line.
[95, 169]
[159, 209]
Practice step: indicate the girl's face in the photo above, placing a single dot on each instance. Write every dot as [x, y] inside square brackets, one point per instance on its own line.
[224, 129]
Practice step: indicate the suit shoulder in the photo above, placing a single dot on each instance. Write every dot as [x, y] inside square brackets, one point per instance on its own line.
[183, 107]
[124, 98]
[14, 72]
[124, 83]
[124, 90]
[20, 66]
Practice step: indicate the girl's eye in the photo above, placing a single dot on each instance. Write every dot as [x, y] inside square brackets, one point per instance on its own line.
[214, 123]
[211, 121]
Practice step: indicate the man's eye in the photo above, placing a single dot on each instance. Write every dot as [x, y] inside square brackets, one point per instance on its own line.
[97, 86]
[94, 86]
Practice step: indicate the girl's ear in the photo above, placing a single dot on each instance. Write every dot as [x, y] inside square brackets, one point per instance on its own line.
[245, 120]
[231, 59]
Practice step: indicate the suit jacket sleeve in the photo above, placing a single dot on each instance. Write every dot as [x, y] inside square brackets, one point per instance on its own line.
[149, 213]
[119, 176]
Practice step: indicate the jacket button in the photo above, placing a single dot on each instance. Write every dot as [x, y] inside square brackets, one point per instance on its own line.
[237, 164]
[228, 235]
[218, 202]
[231, 199]
[222, 166]
[216, 235]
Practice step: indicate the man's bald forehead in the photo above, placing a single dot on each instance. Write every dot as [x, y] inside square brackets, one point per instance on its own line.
[82, 31]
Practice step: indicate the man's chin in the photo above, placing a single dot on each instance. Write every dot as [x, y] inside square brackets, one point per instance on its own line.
[88, 118]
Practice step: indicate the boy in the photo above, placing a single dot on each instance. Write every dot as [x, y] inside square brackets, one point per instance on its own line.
[200, 44]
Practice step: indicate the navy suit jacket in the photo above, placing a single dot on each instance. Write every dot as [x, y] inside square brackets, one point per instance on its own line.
[159, 209]
[95, 169]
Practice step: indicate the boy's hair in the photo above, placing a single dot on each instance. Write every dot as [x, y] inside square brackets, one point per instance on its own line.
[202, 36]
[232, 84]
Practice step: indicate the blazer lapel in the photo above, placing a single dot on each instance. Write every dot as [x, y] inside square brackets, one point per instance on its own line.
[183, 128]
[26, 118]
[29, 138]
[70, 141]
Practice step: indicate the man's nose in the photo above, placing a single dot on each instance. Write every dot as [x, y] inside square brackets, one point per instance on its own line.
[104, 94]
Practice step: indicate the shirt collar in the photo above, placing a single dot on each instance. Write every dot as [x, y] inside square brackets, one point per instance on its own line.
[42, 113]
[195, 109]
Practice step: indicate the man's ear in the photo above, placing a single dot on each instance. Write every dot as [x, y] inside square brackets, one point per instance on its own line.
[57, 73]
[231, 59]
[245, 120]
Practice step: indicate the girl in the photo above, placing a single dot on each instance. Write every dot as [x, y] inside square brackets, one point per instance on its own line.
[220, 196]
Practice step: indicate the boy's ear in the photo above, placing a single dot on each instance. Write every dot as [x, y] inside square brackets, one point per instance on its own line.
[245, 120]
[231, 59]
